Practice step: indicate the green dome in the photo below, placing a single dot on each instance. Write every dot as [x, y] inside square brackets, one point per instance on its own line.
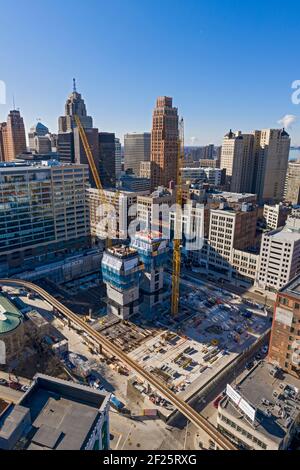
[10, 317]
[8, 324]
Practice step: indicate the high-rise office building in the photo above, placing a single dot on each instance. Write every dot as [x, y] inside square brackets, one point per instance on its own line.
[14, 138]
[118, 153]
[209, 151]
[107, 159]
[137, 149]
[42, 144]
[75, 105]
[38, 130]
[65, 147]
[237, 159]
[164, 143]
[43, 212]
[271, 156]
[284, 350]
[80, 157]
[292, 184]
[2, 126]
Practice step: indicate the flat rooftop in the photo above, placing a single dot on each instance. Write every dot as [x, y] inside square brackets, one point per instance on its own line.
[292, 288]
[36, 165]
[231, 197]
[285, 234]
[274, 414]
[62, 413]
[122, 251]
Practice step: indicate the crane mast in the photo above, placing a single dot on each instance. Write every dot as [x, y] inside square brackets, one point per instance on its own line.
[94, 170]
[178, 225]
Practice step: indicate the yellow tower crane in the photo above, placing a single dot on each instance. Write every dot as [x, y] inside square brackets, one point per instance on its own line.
[94, 170]
[178, 225]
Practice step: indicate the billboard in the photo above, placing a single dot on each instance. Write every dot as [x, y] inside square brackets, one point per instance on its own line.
[242, 404]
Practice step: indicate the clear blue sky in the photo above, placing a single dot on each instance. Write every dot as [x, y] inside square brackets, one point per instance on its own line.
[226, 63]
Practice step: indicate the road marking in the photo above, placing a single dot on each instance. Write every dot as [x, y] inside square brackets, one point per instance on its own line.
[119, 440]
[129, 432]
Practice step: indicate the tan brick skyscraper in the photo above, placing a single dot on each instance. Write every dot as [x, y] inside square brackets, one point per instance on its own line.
[14, 138]
[164, 143]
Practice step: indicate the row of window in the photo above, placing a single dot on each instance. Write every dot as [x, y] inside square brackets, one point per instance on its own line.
[242, 431]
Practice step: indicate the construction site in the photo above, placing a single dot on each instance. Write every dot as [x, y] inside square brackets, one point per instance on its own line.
[145, 331]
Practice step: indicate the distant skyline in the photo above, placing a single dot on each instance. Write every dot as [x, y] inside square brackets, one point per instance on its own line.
[227, 64]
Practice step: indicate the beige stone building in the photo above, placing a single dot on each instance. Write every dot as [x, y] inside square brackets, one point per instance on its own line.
[271, 156]
[124, 203]
[237, 160]
[145, 170]
[153, 211]
[275, 215]
[292, 184]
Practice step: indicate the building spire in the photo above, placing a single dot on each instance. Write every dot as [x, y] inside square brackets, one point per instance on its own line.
[74, 86]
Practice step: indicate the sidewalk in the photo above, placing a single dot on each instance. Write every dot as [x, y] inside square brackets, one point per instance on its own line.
[12, 377]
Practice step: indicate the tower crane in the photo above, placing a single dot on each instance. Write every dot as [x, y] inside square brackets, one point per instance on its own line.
[178, 225]
[94, 170]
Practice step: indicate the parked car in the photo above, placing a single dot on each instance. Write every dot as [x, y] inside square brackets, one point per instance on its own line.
[3, 382]
[265, 349]
[15, 385]
[249, 365]
[217, 401]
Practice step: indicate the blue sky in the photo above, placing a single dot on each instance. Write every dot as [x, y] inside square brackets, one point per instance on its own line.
[226, 63]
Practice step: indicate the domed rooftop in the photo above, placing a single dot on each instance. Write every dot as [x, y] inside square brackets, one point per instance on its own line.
[10, 317]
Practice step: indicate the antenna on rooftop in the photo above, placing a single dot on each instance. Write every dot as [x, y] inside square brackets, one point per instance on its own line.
[74, 85]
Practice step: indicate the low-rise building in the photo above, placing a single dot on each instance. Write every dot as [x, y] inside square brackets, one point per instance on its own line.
[275, 216]
[56, 415]
[262, 412]
[134, 183]
[210, 175]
